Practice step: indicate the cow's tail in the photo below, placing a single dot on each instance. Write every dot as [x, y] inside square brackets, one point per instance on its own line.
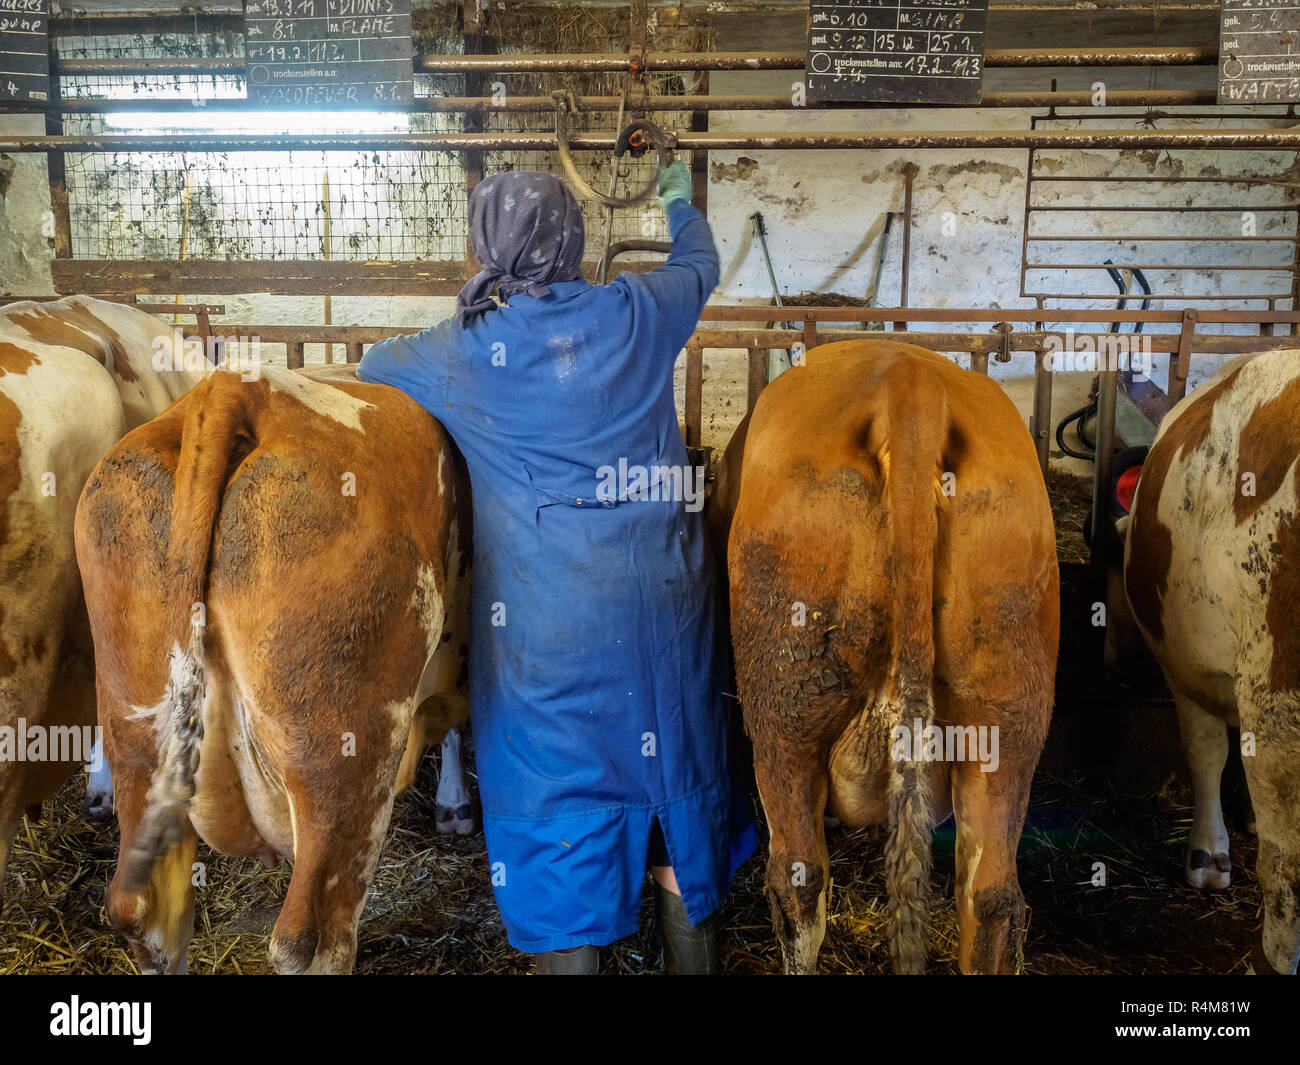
[917, 431]
[218, 414]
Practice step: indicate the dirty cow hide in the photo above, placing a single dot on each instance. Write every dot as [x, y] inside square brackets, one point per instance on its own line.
[75, 374]
[893, 579]
[1212, 575]
[276, 574]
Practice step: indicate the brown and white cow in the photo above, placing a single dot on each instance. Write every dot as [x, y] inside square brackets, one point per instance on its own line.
[893, 571]
[1212, 575]
[276, 574]
[75, 374]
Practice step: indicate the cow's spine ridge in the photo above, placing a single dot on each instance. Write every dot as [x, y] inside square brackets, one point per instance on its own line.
[916, 434]
[218, 411]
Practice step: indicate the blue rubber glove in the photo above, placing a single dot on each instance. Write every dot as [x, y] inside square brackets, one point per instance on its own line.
[674, 184]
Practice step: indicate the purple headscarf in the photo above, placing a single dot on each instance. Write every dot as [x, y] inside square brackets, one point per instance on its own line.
[526, 230]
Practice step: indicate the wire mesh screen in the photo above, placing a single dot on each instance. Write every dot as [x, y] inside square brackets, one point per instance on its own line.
[373, 205]
[252, 205]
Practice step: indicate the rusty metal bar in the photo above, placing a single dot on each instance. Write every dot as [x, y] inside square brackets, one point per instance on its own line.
[1155, 297]
[1221, 139]
[1181, 361]
[1157, 209]
[810, 337]
[202, 310]
[759, 340]
[215, 20]
[757, 377]
[293, 350]
[1120, 179]
[1129, 238]
[688, 61]
[758, 313]
[1102, 527]
[693, 412]
[354, 352]
[1156, 266]
[905, 266]
[617, 62]
[475, 42]
[57, 176]
[1160, 343]
[696, 102]
[1040, 423]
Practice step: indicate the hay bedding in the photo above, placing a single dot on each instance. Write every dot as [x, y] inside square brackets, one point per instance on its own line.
[431, 910]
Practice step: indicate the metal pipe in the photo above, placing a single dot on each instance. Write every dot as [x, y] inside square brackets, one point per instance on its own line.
[613, 251]
[617, 62]
[1105, 316]
[1107, 386]
[1221, 139]
[1040, 423]
[211, 20]
[607, 104]
[762, 339]
[909, 177]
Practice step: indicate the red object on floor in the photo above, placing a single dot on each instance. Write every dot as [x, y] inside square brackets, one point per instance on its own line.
[1125, 486]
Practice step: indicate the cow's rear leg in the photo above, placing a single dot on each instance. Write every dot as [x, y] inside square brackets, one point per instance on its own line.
[453, 812]
[1205, 745]
[989, 809]
[157, 920]
[792, 783]
[339, 828]
[1271, 778]
[8, 828]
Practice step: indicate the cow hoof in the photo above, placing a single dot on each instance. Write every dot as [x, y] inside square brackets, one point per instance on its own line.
[457, 822]
[97, 804]
[1207, 872]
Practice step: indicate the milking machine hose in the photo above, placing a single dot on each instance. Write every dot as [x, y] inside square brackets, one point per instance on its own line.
[1090, 408]
[563, 101]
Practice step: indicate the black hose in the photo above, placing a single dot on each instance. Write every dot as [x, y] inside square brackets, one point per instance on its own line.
[1081, 415]
[1090, 408]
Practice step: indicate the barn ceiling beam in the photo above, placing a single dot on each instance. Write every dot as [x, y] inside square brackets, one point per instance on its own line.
[1222, 139]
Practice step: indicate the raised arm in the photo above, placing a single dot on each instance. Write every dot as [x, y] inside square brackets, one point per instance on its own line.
[679, 289]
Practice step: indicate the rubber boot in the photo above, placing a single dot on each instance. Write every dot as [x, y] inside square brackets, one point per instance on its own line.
[689, 950]
[585, 961]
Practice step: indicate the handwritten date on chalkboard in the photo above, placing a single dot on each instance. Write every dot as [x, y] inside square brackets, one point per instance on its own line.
[896, 51]
[328, 53]
[24, 50]
[1259, 51]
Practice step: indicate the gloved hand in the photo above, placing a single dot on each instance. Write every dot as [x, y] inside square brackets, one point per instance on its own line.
[674, 184]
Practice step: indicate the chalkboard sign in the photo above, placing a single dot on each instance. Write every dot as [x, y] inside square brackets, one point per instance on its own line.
[1259, 51]
[24, 50]
[896, 51]
[328, 53]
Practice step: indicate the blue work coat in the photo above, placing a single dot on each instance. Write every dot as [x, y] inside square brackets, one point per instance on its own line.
[596, 656]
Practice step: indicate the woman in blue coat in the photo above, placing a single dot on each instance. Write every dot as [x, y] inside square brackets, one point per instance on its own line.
[596, 657]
